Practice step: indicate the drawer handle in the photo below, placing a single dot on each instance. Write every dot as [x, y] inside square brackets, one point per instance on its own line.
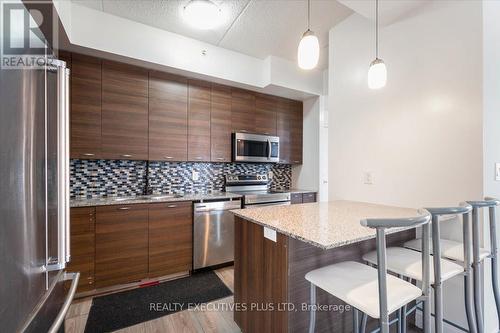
[297, 161]
[199, 158]
[88, 154]
[168, 157]
[244, 131]
[126, 155]
[171, 206]
[124, 208]
[219, 158]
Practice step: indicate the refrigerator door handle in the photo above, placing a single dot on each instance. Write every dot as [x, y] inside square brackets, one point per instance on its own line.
[63, 218]
[75, 277]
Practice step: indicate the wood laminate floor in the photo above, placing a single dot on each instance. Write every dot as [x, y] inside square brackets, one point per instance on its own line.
[188, 321]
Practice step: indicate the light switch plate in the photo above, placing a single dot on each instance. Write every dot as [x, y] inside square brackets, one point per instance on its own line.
[368, 178]
[497, 171]
[270, 234]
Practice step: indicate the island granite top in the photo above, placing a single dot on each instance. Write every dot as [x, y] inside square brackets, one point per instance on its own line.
[326, 224]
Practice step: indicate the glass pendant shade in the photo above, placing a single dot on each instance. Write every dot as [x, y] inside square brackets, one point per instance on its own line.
[377, 74]
[203, 14]
[308, 51]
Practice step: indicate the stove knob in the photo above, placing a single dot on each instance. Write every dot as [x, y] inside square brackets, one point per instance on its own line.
[258, 177]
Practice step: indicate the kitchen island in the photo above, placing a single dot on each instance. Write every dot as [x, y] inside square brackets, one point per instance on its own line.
[276, 246]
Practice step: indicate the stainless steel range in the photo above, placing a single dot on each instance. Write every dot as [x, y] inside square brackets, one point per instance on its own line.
[255, 192]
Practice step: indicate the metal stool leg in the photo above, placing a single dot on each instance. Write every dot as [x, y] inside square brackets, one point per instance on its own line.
[363, 323]
[468, 283]
[312, 311]
[403, 320]
[494, 259]
[438, 287]
[476, 268]
[355, 320]
[426, 302]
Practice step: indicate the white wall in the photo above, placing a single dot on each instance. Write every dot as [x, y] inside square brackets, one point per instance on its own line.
[491, 123]
[421, 136]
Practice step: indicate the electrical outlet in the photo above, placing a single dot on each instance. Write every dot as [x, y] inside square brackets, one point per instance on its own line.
[368, 178]
[195, 176]
[497, 171]
[270, 175]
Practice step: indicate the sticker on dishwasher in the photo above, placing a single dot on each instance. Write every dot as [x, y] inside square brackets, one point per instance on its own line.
[270, 234]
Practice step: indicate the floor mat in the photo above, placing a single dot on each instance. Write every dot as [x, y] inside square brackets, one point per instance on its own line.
[120, 310]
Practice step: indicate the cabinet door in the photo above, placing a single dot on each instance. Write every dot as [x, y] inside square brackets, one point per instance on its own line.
[296, 132]
[199, 121]
[296, 198]
[308, 197]
[168, 117]
[242, 111]
[265, 114]
[220, 124]
[82, 246]
[85, 107]
[170, 238]
[124, 112]
[121, 244]
[283, 130]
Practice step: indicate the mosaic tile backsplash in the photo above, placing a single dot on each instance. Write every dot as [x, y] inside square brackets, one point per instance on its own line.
[105, 178]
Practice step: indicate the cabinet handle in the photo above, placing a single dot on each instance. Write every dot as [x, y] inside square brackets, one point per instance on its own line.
[88, 154]
[296, 161]
[123, 208]
[126, 155]
[199, 158]
[220, 158]
[171, 206]
[168, 157]
[244, 131]
[266, 133]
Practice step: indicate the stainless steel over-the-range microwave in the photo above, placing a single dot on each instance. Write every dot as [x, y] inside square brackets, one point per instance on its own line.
[255, 148]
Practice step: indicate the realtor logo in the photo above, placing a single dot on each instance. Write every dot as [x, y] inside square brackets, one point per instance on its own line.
[27, 34]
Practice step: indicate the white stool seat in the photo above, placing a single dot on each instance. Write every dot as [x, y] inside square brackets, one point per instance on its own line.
[449, 249]
[357, 285]
[408, 263]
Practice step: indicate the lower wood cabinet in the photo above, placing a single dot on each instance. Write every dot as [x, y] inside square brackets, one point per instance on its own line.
[170, 238]
[83, 246]
[121, 247]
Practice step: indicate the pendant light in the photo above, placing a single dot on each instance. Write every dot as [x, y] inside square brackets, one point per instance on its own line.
[377, 73]
[308, 51]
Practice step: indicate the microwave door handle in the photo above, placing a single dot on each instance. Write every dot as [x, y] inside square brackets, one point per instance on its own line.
[268, 149]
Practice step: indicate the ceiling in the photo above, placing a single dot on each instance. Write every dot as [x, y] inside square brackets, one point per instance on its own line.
[257, 28]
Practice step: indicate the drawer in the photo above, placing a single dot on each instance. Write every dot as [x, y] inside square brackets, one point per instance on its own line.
[308, 197]
[296, 198]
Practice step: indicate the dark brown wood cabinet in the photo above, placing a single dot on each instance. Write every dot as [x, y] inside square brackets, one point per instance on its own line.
[121, 244]
[82, 228]
[170, 238]
[199, 93]
[266, 114]
[168, 117]
[296, 120]
[85, 107]
[220, 124]
[242, 111]
[124, 112]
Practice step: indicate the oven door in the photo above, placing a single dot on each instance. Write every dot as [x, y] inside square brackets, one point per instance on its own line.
[255, 148]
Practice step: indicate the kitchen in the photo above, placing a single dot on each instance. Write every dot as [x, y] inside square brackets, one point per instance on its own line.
[205, 180]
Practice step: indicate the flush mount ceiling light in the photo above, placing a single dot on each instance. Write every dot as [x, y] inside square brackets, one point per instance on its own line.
[377, 73]
[308, 51]
[203, 14]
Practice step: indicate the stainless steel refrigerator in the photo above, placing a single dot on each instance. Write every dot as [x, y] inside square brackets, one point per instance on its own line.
[35, 291]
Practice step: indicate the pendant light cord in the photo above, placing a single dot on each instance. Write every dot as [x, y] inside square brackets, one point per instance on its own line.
[309, 14]
[376, 29]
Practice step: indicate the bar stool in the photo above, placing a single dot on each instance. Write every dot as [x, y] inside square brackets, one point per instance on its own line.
[477, 258]
[406, 262]
[372, 291]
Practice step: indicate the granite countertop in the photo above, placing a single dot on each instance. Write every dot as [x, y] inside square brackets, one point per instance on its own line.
[326, 224]
[150, 199]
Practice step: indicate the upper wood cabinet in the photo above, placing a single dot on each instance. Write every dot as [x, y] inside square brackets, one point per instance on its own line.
[124, 112]
[199, 120]
[168, 117]
[121, 241]
[220, 124]
[170, 238]
[296, 132]
[85, 107]
[265, 114]
[243, 111]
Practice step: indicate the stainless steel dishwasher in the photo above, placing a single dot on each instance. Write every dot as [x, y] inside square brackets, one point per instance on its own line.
[213, 239]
